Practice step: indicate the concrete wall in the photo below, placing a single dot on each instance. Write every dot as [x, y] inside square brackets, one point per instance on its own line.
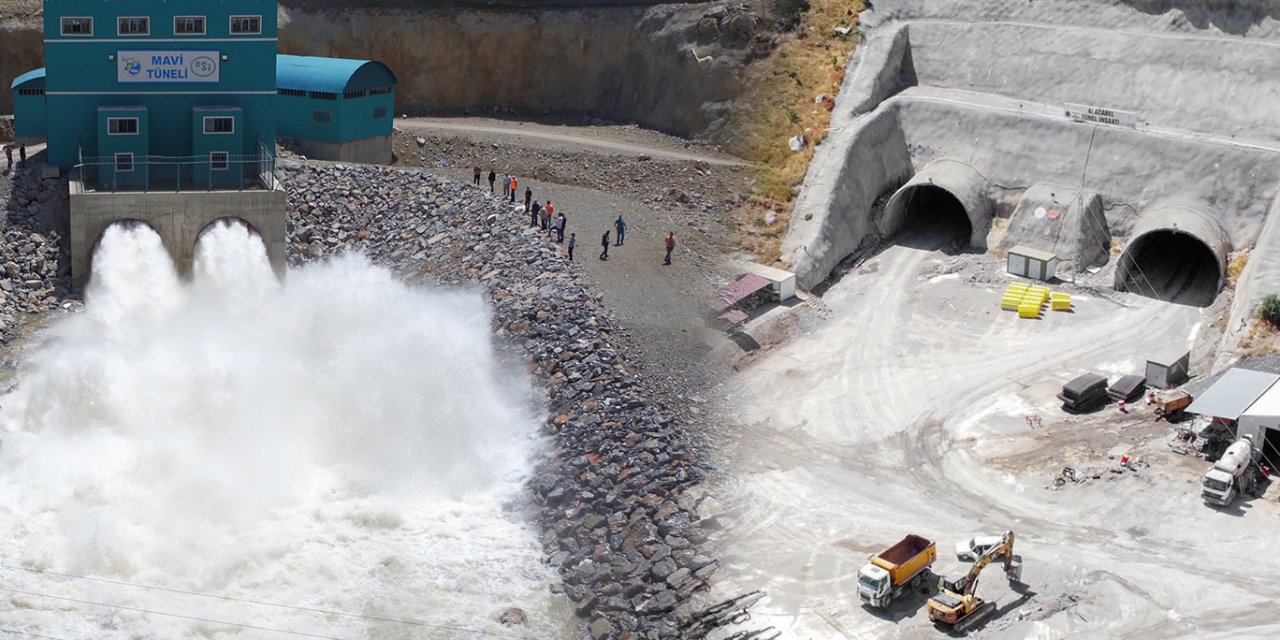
[177, 217]
[1234, 184]
[1132, 170]
[854, 167]
[375, 150]
[1079, 236]
[1223, 86]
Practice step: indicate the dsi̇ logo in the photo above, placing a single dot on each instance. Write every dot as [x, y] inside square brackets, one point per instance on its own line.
[132, 66]
[203, 67]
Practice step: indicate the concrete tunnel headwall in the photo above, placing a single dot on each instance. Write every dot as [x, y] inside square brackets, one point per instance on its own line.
[1175, 253]
[857, 165]
[179, 218]
[962, 182]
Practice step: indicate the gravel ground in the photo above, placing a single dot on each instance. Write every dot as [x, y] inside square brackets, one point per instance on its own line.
[663, 310]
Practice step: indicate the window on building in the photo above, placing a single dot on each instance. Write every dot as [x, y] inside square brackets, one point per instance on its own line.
[324, 95]
[378, 91]
[321, 116]
[139, 26]
[124, 162]
[77, 26]
[292, 92]
[219, 160]
[379, 112]
[188, 25]
[355, 94]
[30, 92]
[219, 124]
[122, 126]
[246, 24]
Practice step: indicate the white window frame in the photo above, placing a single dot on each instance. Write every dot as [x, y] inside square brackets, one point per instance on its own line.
[231, 23]
[117, 162]
[204, 125]
[133, 35]
[137, 125]
[204, 25]
[62, 26]
[226, 162]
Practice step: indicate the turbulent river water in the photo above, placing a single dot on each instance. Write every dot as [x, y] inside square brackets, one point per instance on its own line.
[334, 455]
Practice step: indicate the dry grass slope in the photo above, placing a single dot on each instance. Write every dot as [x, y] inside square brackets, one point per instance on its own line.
[781, 101]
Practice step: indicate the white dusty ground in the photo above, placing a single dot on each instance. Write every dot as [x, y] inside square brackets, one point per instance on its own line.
[905, 410]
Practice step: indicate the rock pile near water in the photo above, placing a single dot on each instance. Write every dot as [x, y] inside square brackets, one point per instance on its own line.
[35, 265]
[620, 495]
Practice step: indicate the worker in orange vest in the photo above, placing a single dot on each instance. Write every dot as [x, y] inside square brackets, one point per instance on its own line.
[671, 245]
[513, 189]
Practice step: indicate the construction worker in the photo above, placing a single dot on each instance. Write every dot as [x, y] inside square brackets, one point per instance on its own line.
[573, 242]
[513, 189]
[621, 226]
[671, 245]
[604, 244]
[528, 198]
[493, 176]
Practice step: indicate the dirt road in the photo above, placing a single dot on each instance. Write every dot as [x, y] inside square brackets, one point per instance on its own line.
[637, 142]
[910, 410]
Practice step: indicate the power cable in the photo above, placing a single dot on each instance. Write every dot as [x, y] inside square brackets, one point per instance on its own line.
[415, 623]
[135, 585]
[167, 614]
[29, 634]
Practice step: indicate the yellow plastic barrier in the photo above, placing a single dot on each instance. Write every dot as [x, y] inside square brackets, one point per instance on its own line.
[1029, 310]
[1060, 302]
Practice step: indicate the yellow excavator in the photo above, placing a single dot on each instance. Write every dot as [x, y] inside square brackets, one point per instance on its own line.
[956, 606]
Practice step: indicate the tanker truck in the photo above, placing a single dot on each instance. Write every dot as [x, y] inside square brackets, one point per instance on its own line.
[893, 571]
[1234, 473]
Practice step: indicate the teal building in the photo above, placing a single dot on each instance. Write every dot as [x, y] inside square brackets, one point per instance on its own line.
[336, 109]
[166, 113]
[151, 94]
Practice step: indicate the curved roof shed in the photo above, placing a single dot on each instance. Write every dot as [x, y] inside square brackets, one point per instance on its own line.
[331, 75]
[33, 79]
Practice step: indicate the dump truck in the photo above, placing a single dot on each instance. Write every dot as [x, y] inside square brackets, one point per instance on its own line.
[891, 572]
[1234, 473]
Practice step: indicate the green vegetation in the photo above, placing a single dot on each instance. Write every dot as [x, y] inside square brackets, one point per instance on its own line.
[1270, 309]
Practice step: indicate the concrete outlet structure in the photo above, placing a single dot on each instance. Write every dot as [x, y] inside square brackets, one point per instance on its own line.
[167, 114]
[177, 218]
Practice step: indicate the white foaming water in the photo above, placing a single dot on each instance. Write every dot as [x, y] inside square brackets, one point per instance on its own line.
[340, 442]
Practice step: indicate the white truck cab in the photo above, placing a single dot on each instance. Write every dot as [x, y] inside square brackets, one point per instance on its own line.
[874, 585]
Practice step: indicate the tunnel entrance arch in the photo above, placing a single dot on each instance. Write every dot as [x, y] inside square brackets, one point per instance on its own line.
[1177, 255]
[125, 223]
[230, 220]
[947, 198]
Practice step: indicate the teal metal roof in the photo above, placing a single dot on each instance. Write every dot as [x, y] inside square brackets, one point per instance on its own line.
[331, 75]
[33, 79]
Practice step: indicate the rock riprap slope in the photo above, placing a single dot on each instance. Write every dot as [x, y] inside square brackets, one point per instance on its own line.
[620, 493]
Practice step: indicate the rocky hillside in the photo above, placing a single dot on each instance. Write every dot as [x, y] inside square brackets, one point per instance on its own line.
[671, 68]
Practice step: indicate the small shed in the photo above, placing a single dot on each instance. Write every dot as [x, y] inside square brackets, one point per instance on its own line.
[782, 283]
[30, 113]
[1169, 369]
[1232, 394]
[1262, 421]
[1032, 263]
[335, 108]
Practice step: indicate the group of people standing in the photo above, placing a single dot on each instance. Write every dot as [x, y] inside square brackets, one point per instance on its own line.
[8, 156]
[546, 219]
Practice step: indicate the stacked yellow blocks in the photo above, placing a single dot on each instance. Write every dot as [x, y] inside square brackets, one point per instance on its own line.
[1029, 300]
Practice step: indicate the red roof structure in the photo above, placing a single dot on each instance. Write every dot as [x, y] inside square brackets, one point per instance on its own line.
[739, 290]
